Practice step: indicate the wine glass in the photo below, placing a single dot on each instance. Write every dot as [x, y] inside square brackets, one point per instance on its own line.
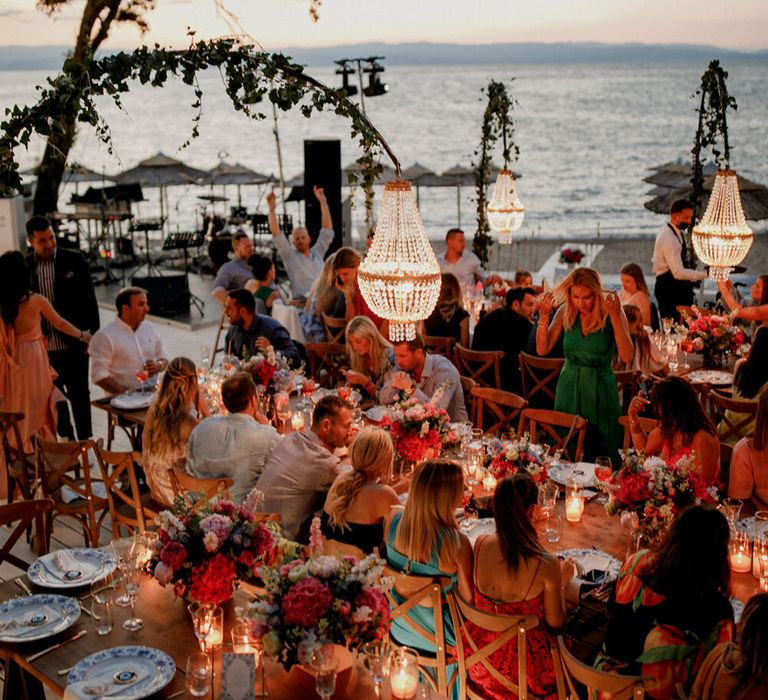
[282, 409]
[378, 656]
[553, 529]
[731, 508]
[667, 323]
[199, 674]
[324, 666]
[123, 550]
[202, 619]
[132, 578]
[603, 472]
[142, 375]
[672, 352]
[686, 345]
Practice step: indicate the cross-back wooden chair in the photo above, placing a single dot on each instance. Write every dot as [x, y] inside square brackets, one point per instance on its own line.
[561, 428]
[24, 513]
[335, 329]
[58, 464]
[221, 327]
[735, 418]
[539, 377]
[483, 367]
[128, 507]
[188, 486]
[501, 408]
[326, 362]
[628, 382]
[507, 628]
[468, 386]
[569, 671]
[647, 424]
[20, 466]
[427, 591]
[439, 345]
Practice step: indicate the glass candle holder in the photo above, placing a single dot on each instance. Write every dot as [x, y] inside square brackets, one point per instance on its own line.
[489, 482]
[404, 674]
[760, 540]
[215, 636]
[297, 420]
[574, 508]
[741, 552]
[243, 642]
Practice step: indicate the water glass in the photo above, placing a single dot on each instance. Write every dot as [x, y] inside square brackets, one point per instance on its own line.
[547, 499]
[101, 615]
[199, 674]
[202, 619]
[378, 656]
[553, 529]
[731, 508]
[324, 666]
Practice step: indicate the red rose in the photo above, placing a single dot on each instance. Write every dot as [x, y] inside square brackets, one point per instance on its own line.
[246, 557]
[306, 602]
[412, 447]
[262, 541]
[174, 555]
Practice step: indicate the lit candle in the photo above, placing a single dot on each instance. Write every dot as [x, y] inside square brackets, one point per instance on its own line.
[574, 507]
[404, 684]
[741, 561]
[297, 421]
[215, 636]
[489, 482]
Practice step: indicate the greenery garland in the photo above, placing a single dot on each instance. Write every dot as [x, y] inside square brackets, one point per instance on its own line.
[249, 78]
[497, 123]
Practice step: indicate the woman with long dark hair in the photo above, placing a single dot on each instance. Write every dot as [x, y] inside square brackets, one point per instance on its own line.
[672, 604]
[449, 319]
[684, 431]
[515, 575]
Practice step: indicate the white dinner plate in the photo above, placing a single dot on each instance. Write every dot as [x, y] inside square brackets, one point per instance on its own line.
[375, 413]
[717, 377]
[39, 616]
[71, 568]
[592, 560]
[583, 473]
[133, 400]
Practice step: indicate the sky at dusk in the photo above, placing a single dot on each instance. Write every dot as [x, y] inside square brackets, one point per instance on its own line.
[280, 23]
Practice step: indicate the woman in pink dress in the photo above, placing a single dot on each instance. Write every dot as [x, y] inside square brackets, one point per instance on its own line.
[26, 377]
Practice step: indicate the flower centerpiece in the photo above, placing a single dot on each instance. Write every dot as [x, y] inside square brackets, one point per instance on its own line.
[648, 493]
[571, 256]
[713, 336]
[313, 599]
[519, 456]
[270, 370]
[204, 549]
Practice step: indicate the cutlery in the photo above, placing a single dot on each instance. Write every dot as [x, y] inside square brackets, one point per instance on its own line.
[176, 694]
[37, 655]
[24, 587]
[64, 671]
[88, 612]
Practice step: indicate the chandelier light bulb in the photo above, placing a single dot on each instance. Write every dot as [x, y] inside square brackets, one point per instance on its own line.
[399, 277]
[505, 211]
[722, 238]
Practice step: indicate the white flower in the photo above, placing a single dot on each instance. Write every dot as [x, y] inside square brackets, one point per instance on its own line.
[211, 541]
[512, 455]
[361, 615]
[323, 566]
[254, 500]
[172, 525]
[297, 573]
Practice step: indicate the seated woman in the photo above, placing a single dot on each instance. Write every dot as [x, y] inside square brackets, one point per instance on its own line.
[357, 502]
[684, 429]
[424, 539]
[647, 357]
[449, 319]
[263, 284]
[322, 299]
[749, 381]
[634, 291]
[748, 477]
[672, 604]
[345, 266]
[738, 671]
[170, 420]
[755, 309]
[515, 575]
[370, 356]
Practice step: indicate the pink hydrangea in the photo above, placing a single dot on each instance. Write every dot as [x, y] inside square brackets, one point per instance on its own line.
[306, 602]
[219, 525]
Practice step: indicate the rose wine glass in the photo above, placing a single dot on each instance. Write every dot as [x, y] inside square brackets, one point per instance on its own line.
[603, 472]
[686, 345]
[142, 375]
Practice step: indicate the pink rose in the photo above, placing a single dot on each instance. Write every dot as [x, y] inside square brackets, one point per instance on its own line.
[306, 602]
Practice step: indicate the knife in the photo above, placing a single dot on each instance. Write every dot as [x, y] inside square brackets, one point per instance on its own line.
[37, 655]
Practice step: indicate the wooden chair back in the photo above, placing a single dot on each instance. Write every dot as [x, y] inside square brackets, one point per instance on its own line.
[501, 408]
[20, 466]
[539, 377]
[220, 328]
[467, 387]
[483, 367]
[647, 424]
[335, 329]
[23, 514]
[507, 628]
[326, 362]
[628, 382]
[188, 486]
[735, 426]
[563, 429]
[128, 507]
[58, 465]
[430, 592]
[439, 345]
[569, 671]
[335, 548]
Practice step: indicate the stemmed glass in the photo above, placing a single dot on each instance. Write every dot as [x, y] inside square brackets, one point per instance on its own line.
[123, 549]
[667, 324]
[202, 619]
[731, 508]
[378, 656]
[686, 345]
[132, 577]
[324, 666]
[672, 352]
[282, 409]
[142, 374]
[553, 530]
[603, 472]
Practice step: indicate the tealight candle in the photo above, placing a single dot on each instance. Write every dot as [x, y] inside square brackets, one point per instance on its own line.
[741, 553]
[404, 676]
[215, 636]
[404, 685]
[741, 562]
[574, 507]
[489, 482]
[297, 421]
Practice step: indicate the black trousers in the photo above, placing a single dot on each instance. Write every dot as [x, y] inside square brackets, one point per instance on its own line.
[72, 367]
[671, 293]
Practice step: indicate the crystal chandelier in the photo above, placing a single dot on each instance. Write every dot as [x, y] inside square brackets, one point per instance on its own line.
[399, 277]
[722, 238]
[505, 211]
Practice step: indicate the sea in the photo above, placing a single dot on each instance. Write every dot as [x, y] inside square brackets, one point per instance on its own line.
[588, 134]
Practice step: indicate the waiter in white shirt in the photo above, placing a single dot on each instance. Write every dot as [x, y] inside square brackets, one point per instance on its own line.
[674, 281]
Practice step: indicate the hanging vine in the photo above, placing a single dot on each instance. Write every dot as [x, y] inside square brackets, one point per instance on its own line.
[250, 77]
[497, 123]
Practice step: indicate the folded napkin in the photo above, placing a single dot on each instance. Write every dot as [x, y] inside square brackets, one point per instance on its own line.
[592, 562]
[22, 626]
[102, 685]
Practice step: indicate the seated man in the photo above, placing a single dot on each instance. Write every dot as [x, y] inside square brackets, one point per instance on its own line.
[127, 347]
[523, 278]
[421, 374]
[250, 332]
[508, 329]
[297, 476]
[236, 445]
[236, 273]
[465, 265]
[303, 261]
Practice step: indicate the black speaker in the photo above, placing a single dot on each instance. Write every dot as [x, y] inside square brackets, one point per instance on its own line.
[322, 168]
[167, 296]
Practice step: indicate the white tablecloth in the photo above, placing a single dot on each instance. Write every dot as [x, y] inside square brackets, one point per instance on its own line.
[289, 317]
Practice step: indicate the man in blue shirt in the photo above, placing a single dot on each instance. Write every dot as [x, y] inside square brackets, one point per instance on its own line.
[250, 332]
[237, 272]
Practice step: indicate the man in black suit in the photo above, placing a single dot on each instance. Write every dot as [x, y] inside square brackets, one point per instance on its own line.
[63, 277]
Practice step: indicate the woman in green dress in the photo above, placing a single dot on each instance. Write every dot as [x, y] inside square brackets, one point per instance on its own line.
[262, 285]
[593, 325]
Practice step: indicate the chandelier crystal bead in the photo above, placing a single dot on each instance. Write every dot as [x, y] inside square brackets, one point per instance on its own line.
[399, 277]
[505, 210]
[722, 238]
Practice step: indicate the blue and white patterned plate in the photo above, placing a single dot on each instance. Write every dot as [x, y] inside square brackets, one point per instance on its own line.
[71, 568]
[130, 672]
[583, 473]
[29, 618]
[748, 525]
[592, 559]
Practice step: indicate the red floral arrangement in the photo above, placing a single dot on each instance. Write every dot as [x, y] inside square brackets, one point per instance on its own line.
[519, 456]
[713, 334]
[418, 428]
[270, 370]
[571, 256]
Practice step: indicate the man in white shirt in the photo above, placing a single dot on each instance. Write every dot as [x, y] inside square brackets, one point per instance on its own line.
[674, 281]
[236, 445]
[236, 273]
[303, 261]
[465, 265]
[297, 476]
[126, 347]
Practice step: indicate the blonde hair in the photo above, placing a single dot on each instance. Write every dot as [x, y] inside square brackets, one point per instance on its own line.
[634, 271]
[170, 408]
[436, 489]
[371, 456]
[319, 291]
[363, 327]
[583, 277]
